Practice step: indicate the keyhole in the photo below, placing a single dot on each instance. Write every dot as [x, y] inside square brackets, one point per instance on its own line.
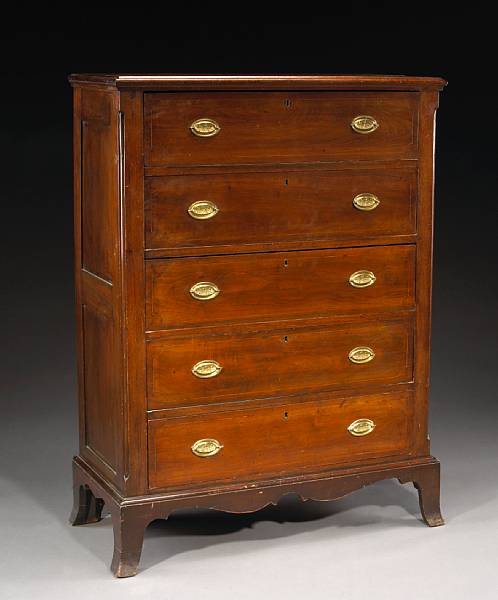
[286, 263]
[287, 103]
[285, 338]
[286, 415]
[286, 182]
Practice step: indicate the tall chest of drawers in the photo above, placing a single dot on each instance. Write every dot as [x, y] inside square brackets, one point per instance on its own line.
[253, 283]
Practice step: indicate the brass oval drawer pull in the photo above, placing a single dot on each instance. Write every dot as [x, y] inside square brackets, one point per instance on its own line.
[366, 201]
[361, 354]
[206, 447]
[364, 124]
[204, 290]
[205, 369]
[361, 427]
[203, 210]
[205, 128]
[362, 279]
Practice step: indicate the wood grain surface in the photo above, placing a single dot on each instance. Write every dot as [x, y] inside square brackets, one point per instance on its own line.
[278, 285]
[277, 362]
[277, 207]
[261, 127]
[277, 440]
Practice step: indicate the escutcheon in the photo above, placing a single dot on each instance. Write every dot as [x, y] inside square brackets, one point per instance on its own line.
[205, 369]
[361, 427]
[361, 355]
[203, 210]
[205, 128]
[204, 290]
[366, 201]
[364, 124]
[362, 279]
[206, 447]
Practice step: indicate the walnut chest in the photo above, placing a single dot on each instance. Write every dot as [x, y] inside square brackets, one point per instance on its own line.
[253, 284]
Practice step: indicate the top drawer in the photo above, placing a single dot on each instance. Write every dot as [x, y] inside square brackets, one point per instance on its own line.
[278, 127]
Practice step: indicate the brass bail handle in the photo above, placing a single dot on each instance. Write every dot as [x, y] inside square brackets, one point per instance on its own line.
[364, 124]
[362, 279]
[206, 447]
[361, 355]
[204, 290]
[205, 127]
[205, 369]
[366, 201]
[361, 427]
[202, 210]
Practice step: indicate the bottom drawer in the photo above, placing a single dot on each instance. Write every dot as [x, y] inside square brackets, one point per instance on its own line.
[271, 440]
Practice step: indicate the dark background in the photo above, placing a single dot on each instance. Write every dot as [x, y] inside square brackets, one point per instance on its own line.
[38, 377]
[35, 146]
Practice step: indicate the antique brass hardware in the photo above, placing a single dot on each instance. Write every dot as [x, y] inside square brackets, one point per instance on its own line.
[205, 128]
[366, 201]
[204, 290]
[361, 427]
[203, 210]
[205, 369]
[364, 124]
[206, 447]
[362, 279]
[361, 354]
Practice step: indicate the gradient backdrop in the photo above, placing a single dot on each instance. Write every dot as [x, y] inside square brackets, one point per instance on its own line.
[371, 544]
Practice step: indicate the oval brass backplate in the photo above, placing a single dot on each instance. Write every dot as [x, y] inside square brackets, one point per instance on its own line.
[364, 124]
[362, 279]
[205, 128]
[361, 355]
[361, 427]
[206, 447]
[203, 210]
[204, 290]
[366, 201]
[205, 369]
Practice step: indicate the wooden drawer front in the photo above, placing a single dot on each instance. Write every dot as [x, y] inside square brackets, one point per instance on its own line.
[277, 362]
[265, 208]
[277, 286]
[288, 438]
[278, 127]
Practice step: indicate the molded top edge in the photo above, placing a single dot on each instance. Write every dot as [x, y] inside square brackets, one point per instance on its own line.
[261, 82]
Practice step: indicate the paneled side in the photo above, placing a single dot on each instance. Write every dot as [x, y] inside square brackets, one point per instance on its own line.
[99, 209]
[98, 290]
[101, 385]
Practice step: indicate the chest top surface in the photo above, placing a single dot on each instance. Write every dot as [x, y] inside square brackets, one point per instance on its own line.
[234, 82]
